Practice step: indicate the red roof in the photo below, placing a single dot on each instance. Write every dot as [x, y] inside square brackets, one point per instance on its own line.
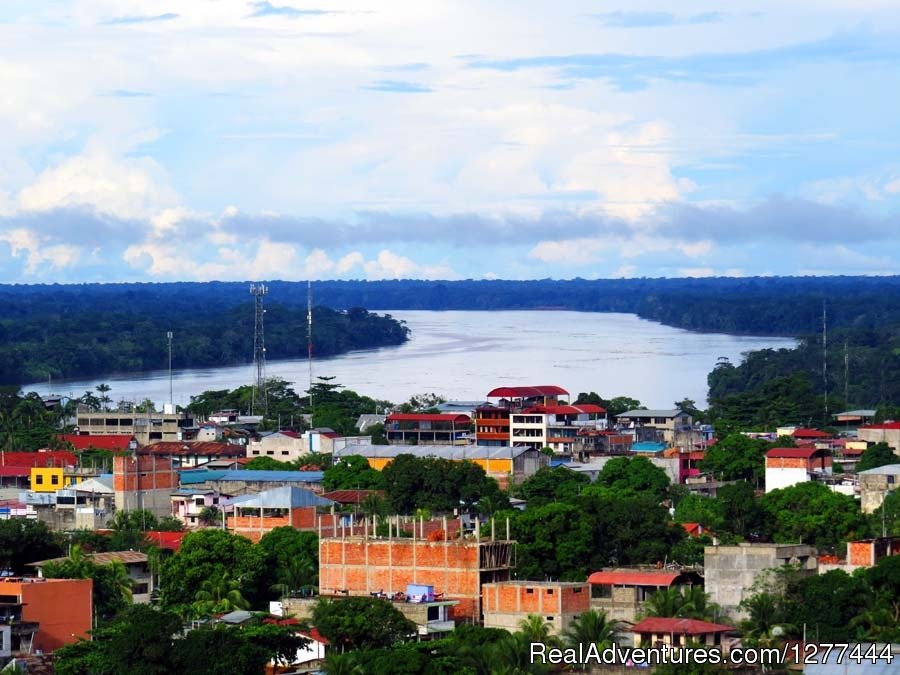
[663, 624]
[86, 442]
[883, 427]
[351, 496]
[208, 448]
[793, 453]
[852, 452]
[41, 458]
[314, 634]
[809, 433]
[693, 529]
[527, 392]
[166, 540]
[429, 417]
[634, 578]
[589, 408]
[15, 471]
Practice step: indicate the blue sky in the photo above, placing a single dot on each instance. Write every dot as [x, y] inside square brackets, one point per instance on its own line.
[150, 140]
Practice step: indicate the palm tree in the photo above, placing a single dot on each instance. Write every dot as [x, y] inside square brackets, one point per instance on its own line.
[535, 628]
[210, 515]
[218, 594]
[684, 602]
[591, 627]
[342, 664]
[512, 654]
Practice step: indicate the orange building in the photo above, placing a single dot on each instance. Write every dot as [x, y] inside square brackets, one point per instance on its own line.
[789, 466]
[456, 568]
[144, 482]
[506, 603]
[253, 515]
[56, 612]
[867, 552]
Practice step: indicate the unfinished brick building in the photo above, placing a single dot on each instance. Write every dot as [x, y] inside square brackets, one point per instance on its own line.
[364, 564]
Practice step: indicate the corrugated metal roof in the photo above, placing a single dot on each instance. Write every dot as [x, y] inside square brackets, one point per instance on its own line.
[193, 448]
[280, 498]
[253, 476]
[886, 470]
[458, 418]
[527, 392]
[101, 442]
[634, 578]
[672, 412]
[794, 453]
[126, 557]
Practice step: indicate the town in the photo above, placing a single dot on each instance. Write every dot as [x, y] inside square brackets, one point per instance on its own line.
[526, 515]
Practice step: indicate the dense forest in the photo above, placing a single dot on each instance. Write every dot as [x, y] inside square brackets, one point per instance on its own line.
[93, 329]
[81, 331]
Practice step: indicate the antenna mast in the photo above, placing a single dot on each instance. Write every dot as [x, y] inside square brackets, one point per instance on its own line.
[258, 401]
[825, 356]
[309, 344]
[846, 374]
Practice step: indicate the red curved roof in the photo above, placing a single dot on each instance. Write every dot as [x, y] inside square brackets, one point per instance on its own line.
[662, 624]
[527, 392]
[805, 452]
[809, 433]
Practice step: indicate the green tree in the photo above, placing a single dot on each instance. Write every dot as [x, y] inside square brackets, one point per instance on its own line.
[26, 541]
[360, 623]
[684, 602]
[551, 484]
[292, 559]
[739, 457]
[636, 474]
[811, 513]
[269, 464]
[352, 472]
[219, 594]
[877, 455]
[111, 591]
[591, 627]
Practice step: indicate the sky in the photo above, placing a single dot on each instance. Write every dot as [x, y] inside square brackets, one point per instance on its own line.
[154, 140]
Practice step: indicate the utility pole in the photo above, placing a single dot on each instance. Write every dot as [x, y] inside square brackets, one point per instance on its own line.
[309, 343]
[171, 398]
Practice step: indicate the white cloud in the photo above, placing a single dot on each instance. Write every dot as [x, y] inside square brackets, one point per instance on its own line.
[572, 252]
[389, 265]
[696, 272]
[38, 255]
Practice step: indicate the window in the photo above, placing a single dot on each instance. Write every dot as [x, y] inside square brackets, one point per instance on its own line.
[434, 613]
[285, 452]
[549, 591]
[54, 479]
[529, 591]
[601, 591]
[39, 480]
[576, 590]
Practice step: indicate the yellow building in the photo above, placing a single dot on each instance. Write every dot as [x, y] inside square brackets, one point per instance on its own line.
[50, 479]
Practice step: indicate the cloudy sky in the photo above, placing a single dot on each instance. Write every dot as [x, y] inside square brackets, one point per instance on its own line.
[227, 139]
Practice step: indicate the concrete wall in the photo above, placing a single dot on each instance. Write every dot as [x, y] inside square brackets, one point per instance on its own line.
[889, 436]
[506, 604]
[730, 571]
[874, 487]
[778, 478]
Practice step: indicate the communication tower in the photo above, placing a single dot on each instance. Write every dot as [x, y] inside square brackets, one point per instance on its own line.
[259, 401]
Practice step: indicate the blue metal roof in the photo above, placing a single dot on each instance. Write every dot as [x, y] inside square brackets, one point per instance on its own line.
[194, 477]
[284, 497]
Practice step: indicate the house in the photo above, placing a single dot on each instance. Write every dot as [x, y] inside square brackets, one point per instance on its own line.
[143, 581]
[804, 434]
[492, 420]
[44, 614]
[456, 568]
[427, 428]
[145, 427]
[363, 422]
[887, 432]
[285, 446]
[622, 592]
[867, 552]
[875, 484]
[730, 571]
[187, 454]
[189, 506]
[854, 418]
[656, 631]
[789, 466]
[505, 604]
[87, 505]
[253, 515]
[663, 425]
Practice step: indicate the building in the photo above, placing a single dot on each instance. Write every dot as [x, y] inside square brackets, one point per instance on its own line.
[621, 593]
[44, 614]
[189, 506]
[666, 425]
[365, 421]
[504, 464]
[88, 505]
[854, 418]
[875, 484]
[731, 571]
[145, 427]
[143, 581]
[188, 454]
[593, 467]
[144, 482]
[285, 446]
[457, 568]
[505, 604]
[254, 515]
[492, 420]
[427, 428]
[789, 466]
[656, 631]
[41, 458]
[867, 552]
[888, 432]
[243, 481]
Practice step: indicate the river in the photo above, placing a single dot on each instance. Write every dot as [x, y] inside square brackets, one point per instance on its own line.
[465, 354]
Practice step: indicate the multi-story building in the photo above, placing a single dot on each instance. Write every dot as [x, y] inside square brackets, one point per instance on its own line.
[189, 506]
[731, 571]
[428, 428]
[145, 427]
[284, 446]
[253, 515]
[43, 614]
[668, 426]
[875, 484]
[457, 568]
[505, 604]
[534, 417]
[621, 593]
[137, 564]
